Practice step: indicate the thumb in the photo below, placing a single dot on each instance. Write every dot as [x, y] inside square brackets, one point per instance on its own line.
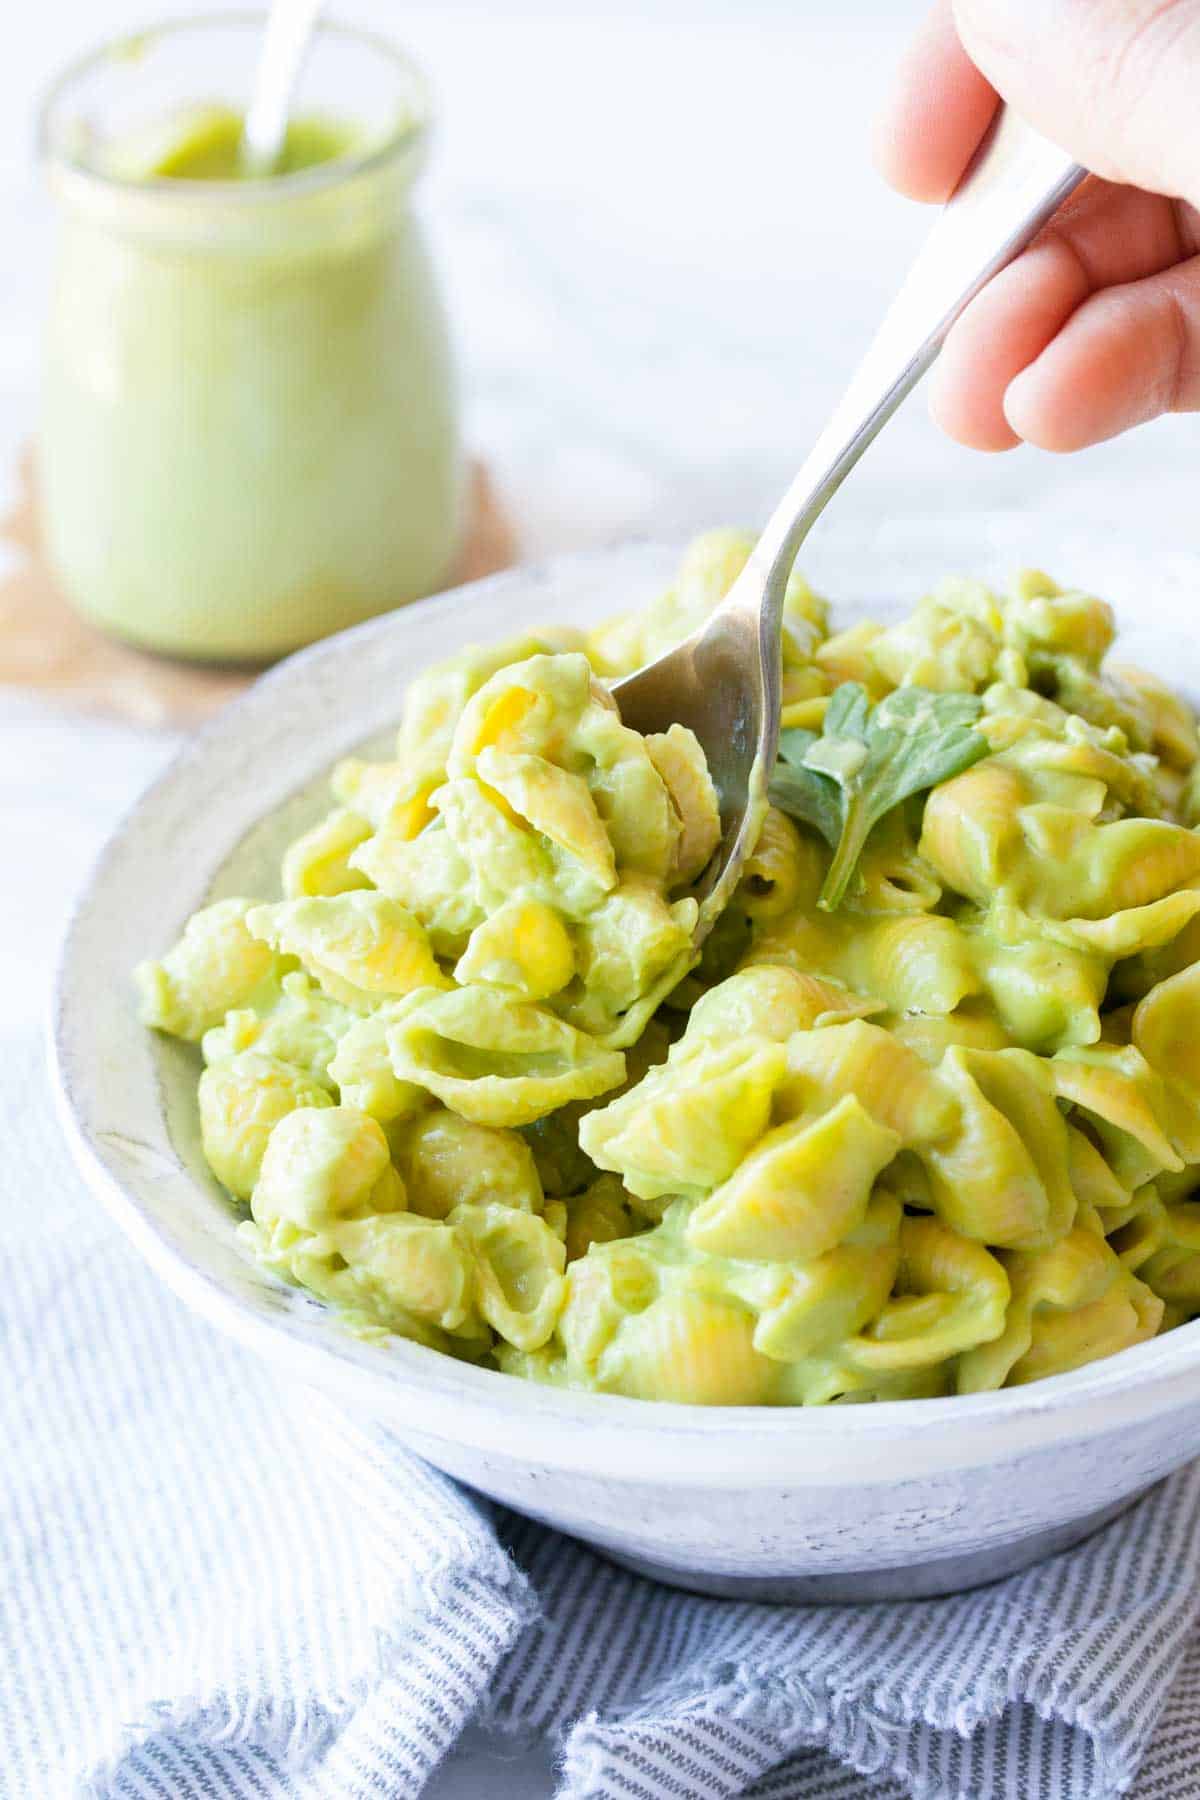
[1113, 81]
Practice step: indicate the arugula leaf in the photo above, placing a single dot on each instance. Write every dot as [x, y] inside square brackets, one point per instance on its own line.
[800, 792]
[866, 761]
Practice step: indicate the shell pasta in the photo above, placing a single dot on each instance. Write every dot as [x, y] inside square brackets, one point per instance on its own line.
[922, 1117]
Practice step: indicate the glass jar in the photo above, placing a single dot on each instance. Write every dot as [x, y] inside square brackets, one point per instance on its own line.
[249, 429]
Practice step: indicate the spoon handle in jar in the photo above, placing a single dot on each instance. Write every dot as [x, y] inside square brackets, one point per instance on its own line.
[285, 44]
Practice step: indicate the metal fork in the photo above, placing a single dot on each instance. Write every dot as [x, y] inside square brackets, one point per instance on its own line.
[724, 680]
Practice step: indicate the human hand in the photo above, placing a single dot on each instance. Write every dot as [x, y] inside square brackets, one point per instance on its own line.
[1095, 327]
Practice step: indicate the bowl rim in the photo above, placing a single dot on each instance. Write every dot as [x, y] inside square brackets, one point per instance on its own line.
[1080, 1402]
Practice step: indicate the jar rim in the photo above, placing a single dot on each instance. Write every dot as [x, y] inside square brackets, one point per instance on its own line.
[407, 136]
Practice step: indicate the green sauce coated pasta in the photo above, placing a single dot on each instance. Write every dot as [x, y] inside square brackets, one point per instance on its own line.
[931, 1127]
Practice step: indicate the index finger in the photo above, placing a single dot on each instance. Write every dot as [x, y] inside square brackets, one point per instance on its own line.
[939, 108]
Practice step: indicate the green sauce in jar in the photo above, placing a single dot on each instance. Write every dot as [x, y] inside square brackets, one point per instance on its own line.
[204, 144]
[249, 434]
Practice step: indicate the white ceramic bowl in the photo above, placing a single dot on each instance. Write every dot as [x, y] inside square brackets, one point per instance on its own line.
[920, 1496]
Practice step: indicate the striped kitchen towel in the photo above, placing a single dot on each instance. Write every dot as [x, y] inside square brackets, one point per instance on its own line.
[210, 1590]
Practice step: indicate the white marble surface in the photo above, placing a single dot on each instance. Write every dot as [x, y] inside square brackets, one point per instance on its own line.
[664, 246]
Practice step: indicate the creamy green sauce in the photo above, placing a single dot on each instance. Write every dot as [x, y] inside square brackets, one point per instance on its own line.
[249, 431]
[204, 144]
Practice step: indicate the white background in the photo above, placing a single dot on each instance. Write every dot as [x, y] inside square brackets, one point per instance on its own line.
[663, 246]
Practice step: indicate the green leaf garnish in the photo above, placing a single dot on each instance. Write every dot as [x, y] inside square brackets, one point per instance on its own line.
[868, 759]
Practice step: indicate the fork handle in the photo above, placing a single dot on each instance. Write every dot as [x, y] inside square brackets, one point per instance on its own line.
[1014, 183]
